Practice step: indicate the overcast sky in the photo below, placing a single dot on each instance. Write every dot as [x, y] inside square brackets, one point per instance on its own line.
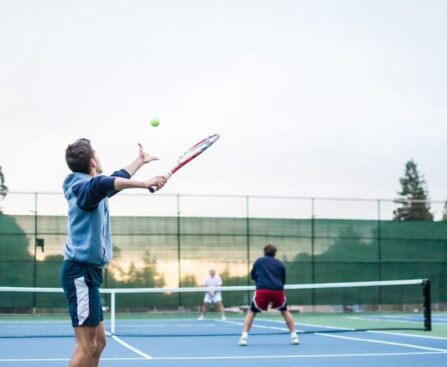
[311, 98]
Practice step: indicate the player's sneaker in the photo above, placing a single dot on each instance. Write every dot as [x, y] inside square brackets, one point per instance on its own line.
[243, 341]
[294, 339]
[201, 317]
[223, 318]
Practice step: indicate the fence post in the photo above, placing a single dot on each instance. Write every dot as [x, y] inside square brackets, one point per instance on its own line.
[247, 221]
[179, 252]
[35, 253]
[379, 251]
[312, 239]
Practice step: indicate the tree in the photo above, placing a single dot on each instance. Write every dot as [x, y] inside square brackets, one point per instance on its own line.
[444, 214]
[3, 188]
[142, 274]
[14, 254]
[413, 187]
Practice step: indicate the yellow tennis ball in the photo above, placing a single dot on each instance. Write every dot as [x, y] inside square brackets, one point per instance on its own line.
[155, 122]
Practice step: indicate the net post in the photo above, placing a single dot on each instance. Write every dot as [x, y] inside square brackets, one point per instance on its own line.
[112, 312]
[426, 297]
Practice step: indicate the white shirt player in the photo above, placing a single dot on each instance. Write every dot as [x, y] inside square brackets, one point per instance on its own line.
[212, 295]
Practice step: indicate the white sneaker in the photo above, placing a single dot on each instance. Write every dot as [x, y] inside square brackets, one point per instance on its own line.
[223, 318]
[243, 341]
[294, 340]
[201, 317]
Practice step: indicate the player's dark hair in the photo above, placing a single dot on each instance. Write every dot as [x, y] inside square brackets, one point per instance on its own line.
[78, 155]
[270, 250]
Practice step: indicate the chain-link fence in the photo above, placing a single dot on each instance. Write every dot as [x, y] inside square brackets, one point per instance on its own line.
[173, 240]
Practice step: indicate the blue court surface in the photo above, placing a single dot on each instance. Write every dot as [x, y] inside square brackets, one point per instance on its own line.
[366, 348]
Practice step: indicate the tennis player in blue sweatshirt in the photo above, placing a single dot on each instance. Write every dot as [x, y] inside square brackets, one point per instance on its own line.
[270, 277]
[88, 249]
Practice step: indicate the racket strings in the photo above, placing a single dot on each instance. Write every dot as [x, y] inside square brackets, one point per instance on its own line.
[198, 148]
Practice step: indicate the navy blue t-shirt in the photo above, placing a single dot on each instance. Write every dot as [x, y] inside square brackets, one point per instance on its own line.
[269, 273]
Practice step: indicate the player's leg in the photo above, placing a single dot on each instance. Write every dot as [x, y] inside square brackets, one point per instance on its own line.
[204, 310]
[288, 318]
[85, 348]
[259, 304]
[90, 340]
[81, 287]
[96, 317]
[248, 322]
[219, 305]
[279, 302]
[220, 308]
[100, 344]
[205, 307]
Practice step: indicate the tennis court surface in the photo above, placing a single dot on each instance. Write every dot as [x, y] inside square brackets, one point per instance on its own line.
[365, 348]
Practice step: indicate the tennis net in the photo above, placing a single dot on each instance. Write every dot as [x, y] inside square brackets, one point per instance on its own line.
[318, 307]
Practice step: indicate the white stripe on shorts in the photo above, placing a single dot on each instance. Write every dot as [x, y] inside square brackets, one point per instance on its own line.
[82, 299]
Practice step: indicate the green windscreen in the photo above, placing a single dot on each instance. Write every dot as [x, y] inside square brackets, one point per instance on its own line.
[179, 251]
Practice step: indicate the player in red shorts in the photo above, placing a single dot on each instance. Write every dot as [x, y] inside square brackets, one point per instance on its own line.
[270, 276]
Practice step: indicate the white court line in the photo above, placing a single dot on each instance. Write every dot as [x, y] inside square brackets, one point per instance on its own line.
[255, 326]
[337, 328]
[368, 331]
[384, 319]
[12, 360]
[403, 334]
[128, 346]
[303, 356]
[287, 356]
[431, 351]
[282, 328]
[354, 338]
[382, 342]
[321, 326]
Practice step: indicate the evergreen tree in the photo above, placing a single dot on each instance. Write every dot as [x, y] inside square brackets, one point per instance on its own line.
[3, 188]
[413, 187]
[444, 214]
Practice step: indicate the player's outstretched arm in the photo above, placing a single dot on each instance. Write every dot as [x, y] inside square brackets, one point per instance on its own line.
[142, 159]
[124, 183]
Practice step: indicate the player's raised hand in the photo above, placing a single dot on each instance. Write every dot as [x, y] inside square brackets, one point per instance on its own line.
[146, 156]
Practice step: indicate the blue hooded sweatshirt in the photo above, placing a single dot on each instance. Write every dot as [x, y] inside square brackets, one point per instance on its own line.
[269, 273]
[88, 234]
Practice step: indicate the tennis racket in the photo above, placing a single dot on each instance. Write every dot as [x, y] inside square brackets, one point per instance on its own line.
[190, 154]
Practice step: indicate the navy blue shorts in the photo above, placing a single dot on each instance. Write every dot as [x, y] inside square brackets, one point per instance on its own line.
[81, 287]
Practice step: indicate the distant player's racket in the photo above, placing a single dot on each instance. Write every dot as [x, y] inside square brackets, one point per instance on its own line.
[211, 291]
[190, 154]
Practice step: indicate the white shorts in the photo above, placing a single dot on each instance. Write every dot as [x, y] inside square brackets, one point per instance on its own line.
[212, 298]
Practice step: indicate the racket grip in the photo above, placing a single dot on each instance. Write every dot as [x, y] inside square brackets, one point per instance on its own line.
[152, 189]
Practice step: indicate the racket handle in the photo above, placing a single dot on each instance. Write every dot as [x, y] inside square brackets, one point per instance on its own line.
[152, 189]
